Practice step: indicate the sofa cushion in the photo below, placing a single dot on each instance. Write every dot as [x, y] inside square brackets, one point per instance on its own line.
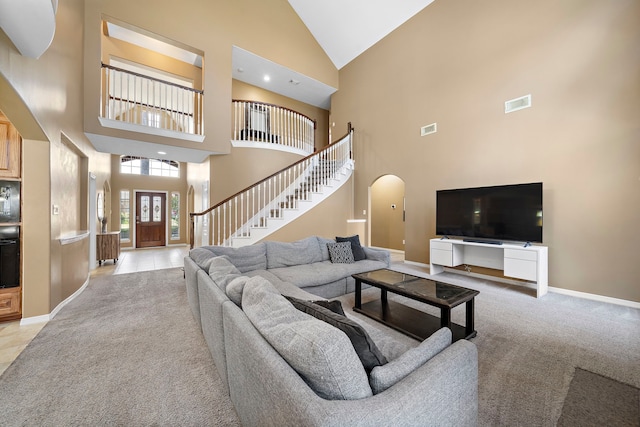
[383, 377]
[356, 247]
[222, 271]
[322, 241]
[321, 273]
[340, 253]
[202, 257]
[235, 288]
[245, 258]
[282, 254]
[321, 354]
[366, 349]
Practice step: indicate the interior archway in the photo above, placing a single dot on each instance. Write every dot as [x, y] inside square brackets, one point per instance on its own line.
[387, 212]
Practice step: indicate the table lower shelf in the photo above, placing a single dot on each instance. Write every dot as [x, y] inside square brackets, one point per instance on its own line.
[414, 323]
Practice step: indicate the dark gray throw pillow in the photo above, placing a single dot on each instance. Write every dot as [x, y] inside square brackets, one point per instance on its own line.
[356, 247]
[367, 351]
[333, 305]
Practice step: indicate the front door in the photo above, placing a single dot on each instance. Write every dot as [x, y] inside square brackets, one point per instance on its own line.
[150, 219]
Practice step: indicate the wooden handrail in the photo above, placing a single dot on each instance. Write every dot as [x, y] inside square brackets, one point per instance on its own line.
[194, 214]
[111, 67]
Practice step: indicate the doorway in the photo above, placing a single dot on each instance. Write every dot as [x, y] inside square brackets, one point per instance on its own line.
[151, 219]
[387, 213]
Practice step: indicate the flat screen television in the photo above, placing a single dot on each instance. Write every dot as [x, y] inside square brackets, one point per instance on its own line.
[491, 214]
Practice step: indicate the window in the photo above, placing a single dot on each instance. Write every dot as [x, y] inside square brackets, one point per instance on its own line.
[143, 166]
[175, 215]
[124, 215]
[150, 118]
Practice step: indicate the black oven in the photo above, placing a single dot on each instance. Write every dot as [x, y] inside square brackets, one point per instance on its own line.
[9, 257]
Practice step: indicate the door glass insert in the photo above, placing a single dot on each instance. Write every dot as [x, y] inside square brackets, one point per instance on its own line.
[157, 207]
[144, 209]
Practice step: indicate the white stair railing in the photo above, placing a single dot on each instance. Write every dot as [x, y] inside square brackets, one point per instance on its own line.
[261, 122]
[267, 199]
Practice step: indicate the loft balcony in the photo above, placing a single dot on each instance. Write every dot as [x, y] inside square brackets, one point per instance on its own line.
[258, 124]
[134, 102]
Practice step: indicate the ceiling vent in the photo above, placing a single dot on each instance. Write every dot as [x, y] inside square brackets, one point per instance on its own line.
[517, 104]
[429, 129]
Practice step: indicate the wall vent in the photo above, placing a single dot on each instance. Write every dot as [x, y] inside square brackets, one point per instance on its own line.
[517, 104]
[428, 129]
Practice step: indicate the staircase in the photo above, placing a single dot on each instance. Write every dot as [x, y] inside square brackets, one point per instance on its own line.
[259, 210]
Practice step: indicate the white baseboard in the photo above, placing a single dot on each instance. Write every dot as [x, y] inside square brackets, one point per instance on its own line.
[33, 320]
[395, 251]
[47, 317]
[577, 294]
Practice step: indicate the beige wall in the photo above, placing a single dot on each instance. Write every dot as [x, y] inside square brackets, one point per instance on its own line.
[43, 99]
[36, 228]
[271, 30]
[455, 63]
[134, 183]
[117, 49]
[244, 167]
[387, 224]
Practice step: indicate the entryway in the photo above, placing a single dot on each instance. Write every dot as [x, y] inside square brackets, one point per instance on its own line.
[387, 213]
[151, 219]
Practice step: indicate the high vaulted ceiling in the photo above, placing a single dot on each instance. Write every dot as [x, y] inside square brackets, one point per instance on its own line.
[343, 28]
[346, 28]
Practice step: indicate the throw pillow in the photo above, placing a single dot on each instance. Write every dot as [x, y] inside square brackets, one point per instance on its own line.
[367, 351]
[318, 352]
[334, 305]
[356, 247]
[383, 377]
[340, 253]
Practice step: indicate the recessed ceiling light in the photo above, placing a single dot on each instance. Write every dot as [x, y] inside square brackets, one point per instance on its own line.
[162, 153]
[266, 78]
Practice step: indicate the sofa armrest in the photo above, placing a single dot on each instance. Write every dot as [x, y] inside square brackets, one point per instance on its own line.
[378, 254]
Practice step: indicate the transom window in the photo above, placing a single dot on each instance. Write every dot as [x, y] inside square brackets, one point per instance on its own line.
[144, 166]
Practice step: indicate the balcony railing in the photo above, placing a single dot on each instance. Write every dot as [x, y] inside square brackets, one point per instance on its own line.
[261, 122]
[142, 100]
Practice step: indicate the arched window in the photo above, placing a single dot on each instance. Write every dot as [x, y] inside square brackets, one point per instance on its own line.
[136, 165]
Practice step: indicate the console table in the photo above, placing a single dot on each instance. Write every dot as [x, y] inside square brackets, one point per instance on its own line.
[108, 246]
[528, 263]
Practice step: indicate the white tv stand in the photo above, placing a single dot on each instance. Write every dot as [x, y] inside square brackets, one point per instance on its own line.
[515, 260]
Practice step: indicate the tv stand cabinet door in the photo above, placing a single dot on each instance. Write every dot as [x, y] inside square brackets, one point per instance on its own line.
[445, 254]
[521, 264]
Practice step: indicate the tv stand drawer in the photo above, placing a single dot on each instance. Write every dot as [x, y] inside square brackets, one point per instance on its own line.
[521, 269]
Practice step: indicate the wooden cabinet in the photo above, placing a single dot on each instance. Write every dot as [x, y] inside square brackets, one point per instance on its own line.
[10, 221]
[10, 304]
[9, 149]
[108, 246]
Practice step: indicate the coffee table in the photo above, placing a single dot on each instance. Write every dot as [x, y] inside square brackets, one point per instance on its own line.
[412, 322]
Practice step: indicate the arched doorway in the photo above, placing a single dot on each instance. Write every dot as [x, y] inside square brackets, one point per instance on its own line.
[387, 213]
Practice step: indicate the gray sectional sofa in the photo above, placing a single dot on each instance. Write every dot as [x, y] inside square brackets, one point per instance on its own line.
[284, 367]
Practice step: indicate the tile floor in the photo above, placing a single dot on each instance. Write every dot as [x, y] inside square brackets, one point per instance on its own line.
[15, 337]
